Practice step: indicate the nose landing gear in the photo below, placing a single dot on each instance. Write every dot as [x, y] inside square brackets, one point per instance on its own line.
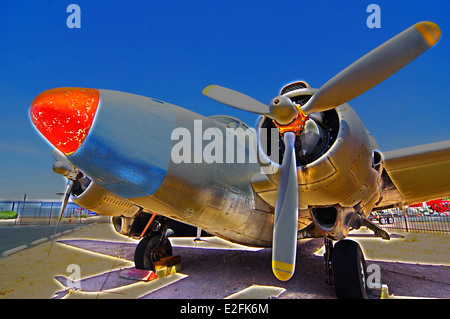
[151, 249]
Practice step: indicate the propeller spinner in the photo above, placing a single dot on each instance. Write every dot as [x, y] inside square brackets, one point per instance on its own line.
[362, 75]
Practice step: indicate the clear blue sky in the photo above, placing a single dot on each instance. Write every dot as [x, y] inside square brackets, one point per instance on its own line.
[171, 50]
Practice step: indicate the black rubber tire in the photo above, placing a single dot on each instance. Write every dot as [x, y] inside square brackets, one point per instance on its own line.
[349, 270]
[148, 251]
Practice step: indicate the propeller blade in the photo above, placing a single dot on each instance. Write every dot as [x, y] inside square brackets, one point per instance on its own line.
[235, 99]
[285, 225]
[374, 67]
[58, 156]
[63, 208]
[63, 166]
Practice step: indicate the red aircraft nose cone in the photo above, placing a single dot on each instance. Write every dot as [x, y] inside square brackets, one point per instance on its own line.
[64, 116]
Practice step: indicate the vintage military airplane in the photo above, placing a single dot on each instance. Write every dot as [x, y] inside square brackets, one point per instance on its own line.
[135, 158]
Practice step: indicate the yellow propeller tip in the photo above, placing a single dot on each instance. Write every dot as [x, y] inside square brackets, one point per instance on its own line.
[208, 88]
[283, 271]
[282, 275]
[430, 31]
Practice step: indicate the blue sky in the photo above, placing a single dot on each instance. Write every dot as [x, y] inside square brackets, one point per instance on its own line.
[171, 50]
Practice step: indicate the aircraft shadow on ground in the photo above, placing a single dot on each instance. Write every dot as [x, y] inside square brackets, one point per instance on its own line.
[218, 273]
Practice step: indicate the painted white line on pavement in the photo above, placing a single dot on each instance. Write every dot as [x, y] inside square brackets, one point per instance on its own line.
[258, 292]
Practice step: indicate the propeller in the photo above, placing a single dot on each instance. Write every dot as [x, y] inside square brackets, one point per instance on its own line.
[280, 109]
[63, 208]
[374, 67]
[64, 167]
[290, 119]
[285, 224]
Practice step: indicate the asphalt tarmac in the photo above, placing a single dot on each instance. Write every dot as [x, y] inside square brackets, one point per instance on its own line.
[17, 236]
[87, 263]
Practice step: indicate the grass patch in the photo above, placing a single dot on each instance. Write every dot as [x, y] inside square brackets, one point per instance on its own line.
[8, 214]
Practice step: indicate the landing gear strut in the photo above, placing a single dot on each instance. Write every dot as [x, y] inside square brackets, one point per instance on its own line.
[346, 267]
[328, 260]
[152, 248]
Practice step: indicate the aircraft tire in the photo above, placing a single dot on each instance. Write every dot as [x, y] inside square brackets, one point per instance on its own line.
[349, 270]
[150, 250]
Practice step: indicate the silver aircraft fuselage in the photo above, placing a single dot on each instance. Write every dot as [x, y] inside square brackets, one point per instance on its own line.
[132, 155]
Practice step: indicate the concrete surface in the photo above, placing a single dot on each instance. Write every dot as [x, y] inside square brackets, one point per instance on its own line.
[412, 265]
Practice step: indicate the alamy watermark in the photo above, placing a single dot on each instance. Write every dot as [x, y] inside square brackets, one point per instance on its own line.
[74, 280]
[373, 276]
[213, 145]
[73, 21]
[374, 19]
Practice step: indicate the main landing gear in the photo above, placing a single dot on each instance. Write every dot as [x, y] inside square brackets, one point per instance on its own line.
[346, 268]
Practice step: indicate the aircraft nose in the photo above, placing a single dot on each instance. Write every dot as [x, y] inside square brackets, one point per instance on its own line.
[64, 116]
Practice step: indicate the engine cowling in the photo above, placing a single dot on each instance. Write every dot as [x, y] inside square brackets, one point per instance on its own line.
[335, 163]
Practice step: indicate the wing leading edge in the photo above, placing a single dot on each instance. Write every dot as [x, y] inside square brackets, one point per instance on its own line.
[420, 173]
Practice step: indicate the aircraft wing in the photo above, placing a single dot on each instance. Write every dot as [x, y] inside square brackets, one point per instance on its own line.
[420, 173]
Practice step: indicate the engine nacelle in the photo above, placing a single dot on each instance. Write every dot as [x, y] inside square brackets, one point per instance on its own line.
[335, 162]
[102, 201]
